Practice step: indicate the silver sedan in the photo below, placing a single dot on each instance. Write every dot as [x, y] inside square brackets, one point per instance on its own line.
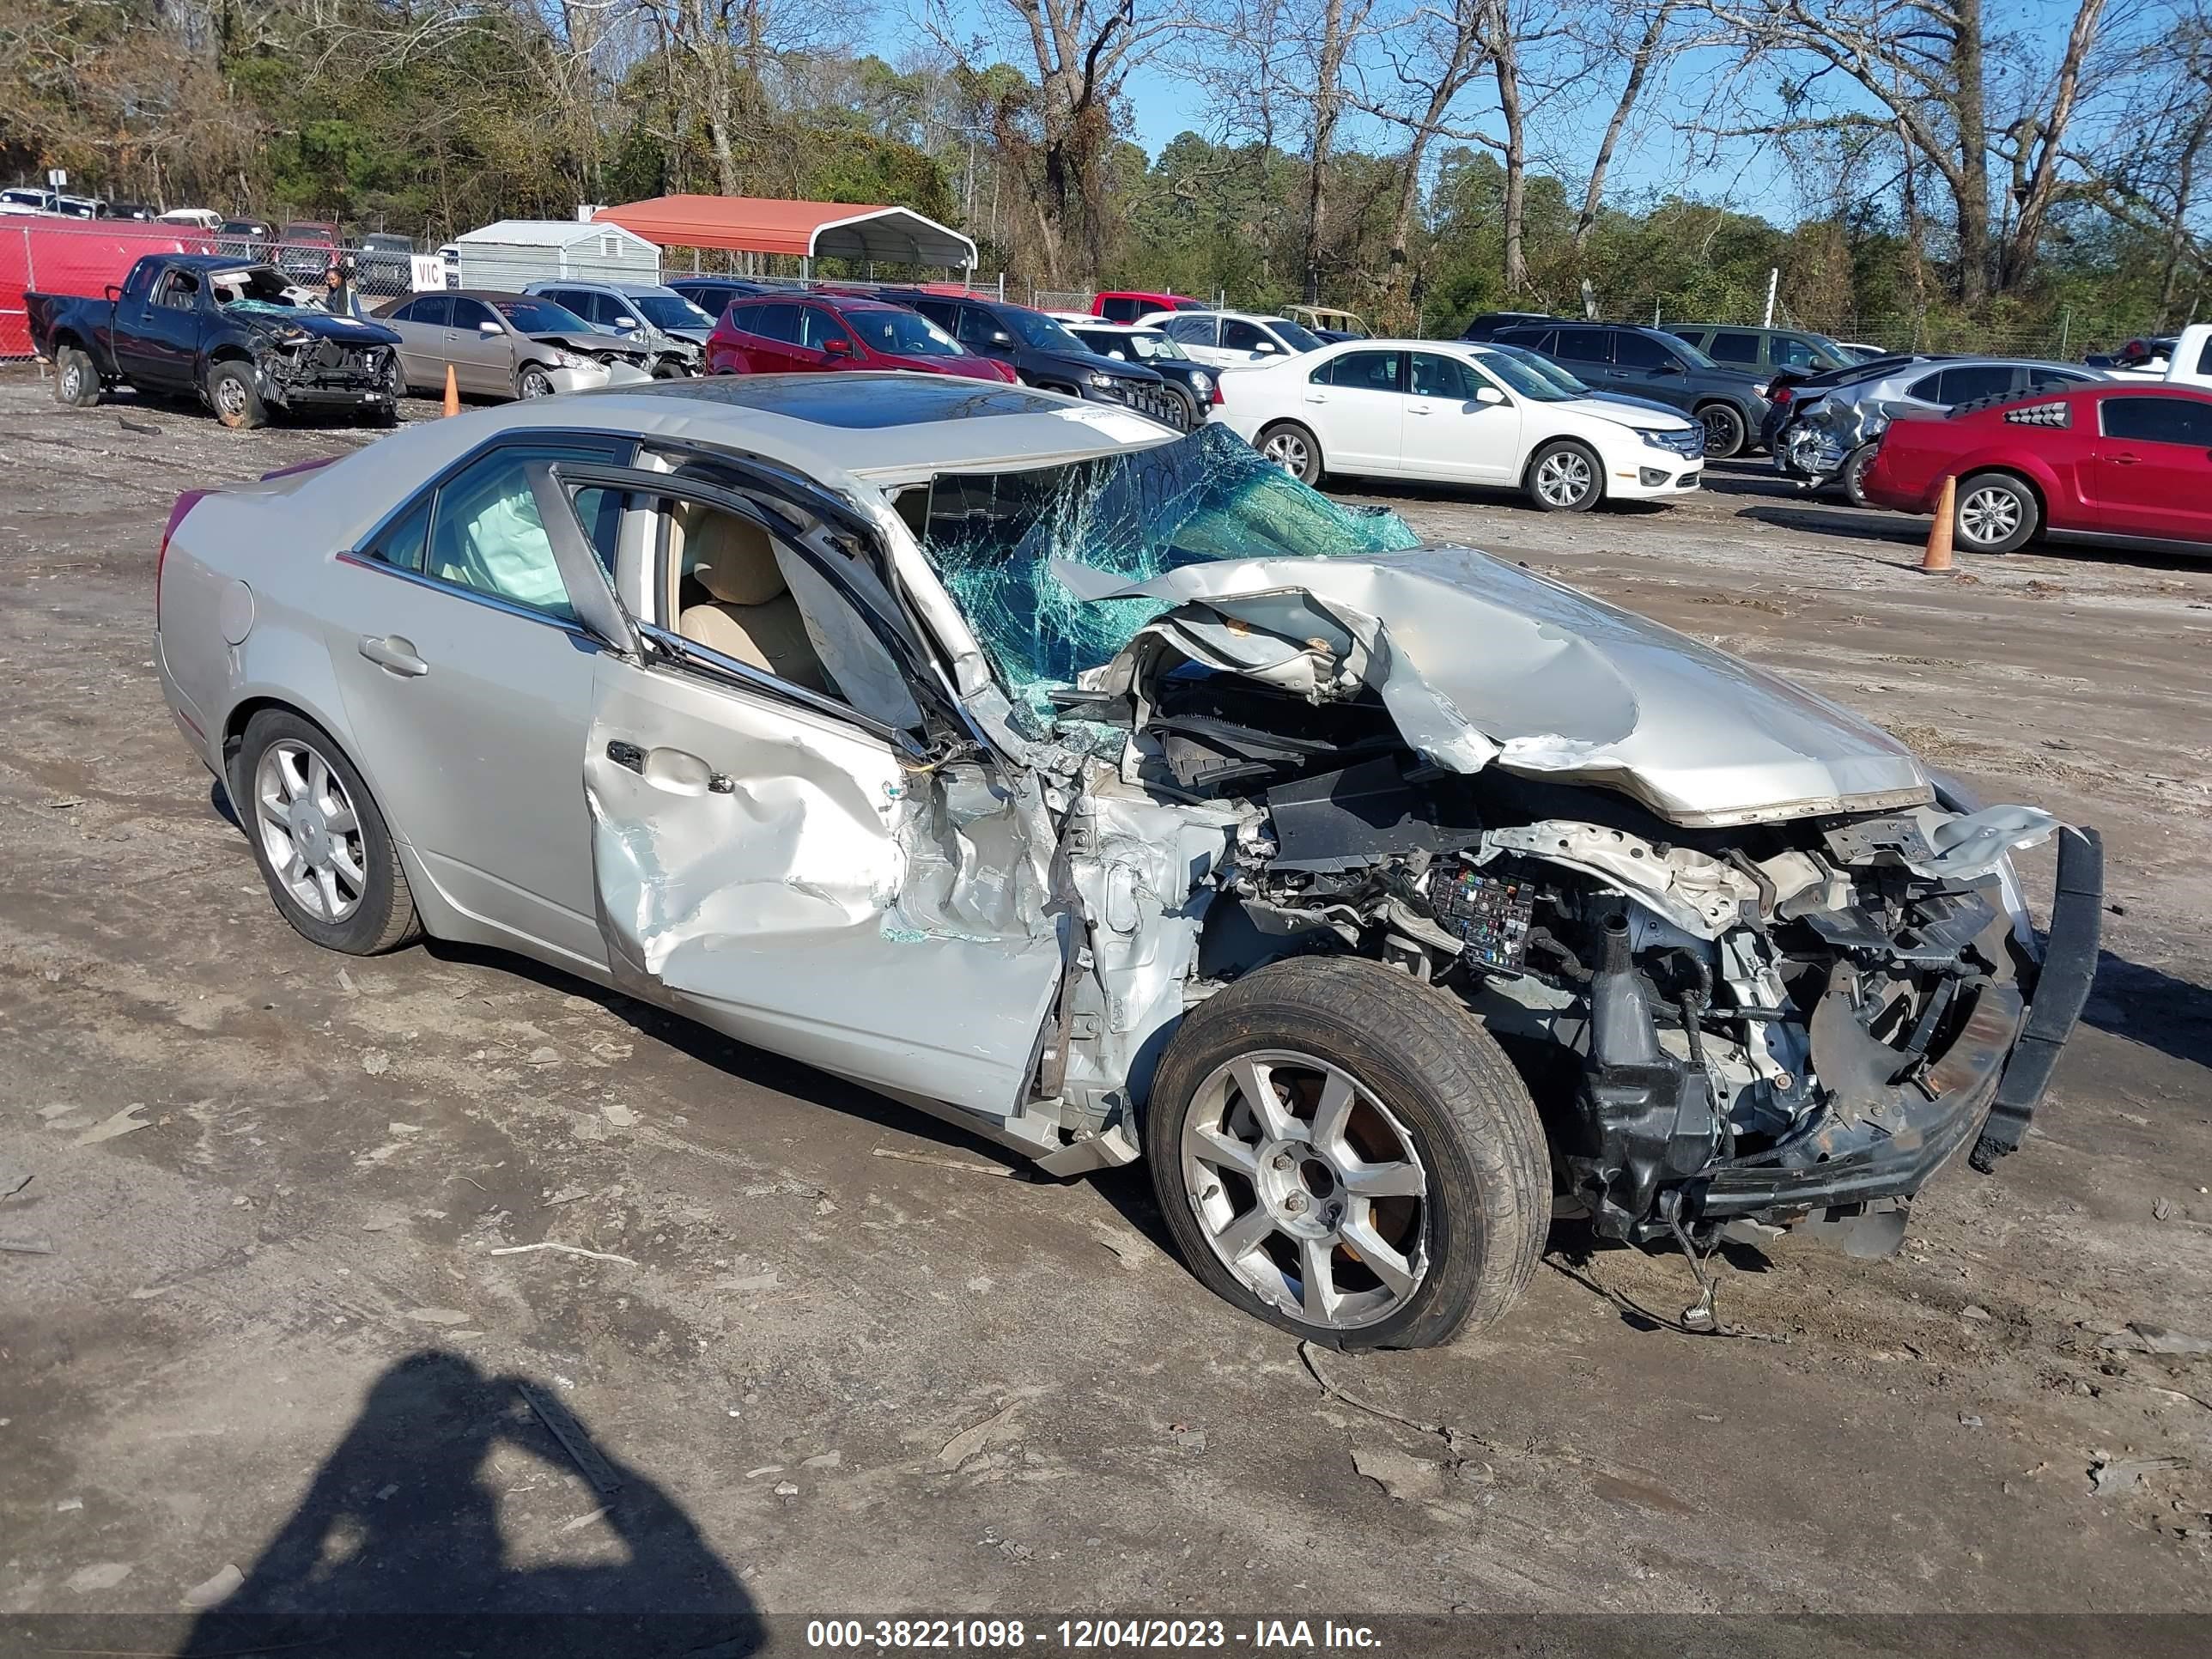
[506, 345]
[1110, 792]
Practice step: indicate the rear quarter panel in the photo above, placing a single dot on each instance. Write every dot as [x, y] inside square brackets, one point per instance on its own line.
[1917, 455]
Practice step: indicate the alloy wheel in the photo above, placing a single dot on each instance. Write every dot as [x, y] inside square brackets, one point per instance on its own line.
[1563, 478]
[1288, 450]
[309, 830]
[1308, 1187]
[1723, 429]
[536, 384]
[1988, 515]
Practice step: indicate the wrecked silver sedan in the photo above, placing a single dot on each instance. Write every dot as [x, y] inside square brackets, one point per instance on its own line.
[1113, 794]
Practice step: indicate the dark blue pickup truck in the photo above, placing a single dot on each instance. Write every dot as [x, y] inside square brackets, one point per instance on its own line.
[222, 330]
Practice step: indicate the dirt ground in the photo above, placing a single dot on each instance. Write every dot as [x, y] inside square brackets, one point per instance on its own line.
[842, 1360]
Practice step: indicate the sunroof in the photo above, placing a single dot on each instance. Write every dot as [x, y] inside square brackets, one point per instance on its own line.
[855, 400]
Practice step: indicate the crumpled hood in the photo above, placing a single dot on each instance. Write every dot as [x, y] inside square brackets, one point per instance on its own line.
[321, 325]
[1482, 663]
[590, 341]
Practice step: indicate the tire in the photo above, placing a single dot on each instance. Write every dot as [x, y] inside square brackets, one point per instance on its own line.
[670, 369]
[235, 397]
[1725, 431]
[1295, 449]
[1564, 477]
[531, 381]
[76, 382]
[2002, 510]
[380, 914]
[1852, 474]
[1428, 1088]
[1187, 414]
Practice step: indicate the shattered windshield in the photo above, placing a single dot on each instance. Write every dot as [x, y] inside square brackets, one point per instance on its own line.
[257, 288]
[1140, 513]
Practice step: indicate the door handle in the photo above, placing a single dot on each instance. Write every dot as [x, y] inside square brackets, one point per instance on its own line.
[394, 654]
[2126, 458]
[675, 770]
[627, 754]
[1416, 408]
[1315, 397]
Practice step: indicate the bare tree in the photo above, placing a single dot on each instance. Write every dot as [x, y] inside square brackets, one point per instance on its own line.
[1648, 53]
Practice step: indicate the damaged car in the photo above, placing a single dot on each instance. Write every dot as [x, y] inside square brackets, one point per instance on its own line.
[237, 336]
[1113, 794]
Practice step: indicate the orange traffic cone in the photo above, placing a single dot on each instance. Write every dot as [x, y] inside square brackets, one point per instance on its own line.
[1938, 555]
[454, 398]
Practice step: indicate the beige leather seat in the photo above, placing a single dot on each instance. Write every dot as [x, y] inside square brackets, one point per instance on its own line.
[748, 612]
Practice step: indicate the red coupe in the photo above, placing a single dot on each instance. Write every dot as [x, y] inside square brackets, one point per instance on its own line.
[2118, 462]
[806, 333]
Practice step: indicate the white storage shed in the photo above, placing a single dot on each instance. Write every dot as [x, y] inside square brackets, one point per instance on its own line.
[515, 251]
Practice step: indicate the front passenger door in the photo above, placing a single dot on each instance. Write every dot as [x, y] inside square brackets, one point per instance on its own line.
[483, 362]
[2153, 470]
[1450, 433]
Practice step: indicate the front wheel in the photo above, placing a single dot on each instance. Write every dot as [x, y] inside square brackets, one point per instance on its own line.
[321, 842]
[1294, 449]
[1996, 513]
[671, 368]
[1724, 431]
[1185, 405]
[1564, 478]
[235, 397]
[533, 382]
[76, 382]
[1346, 1153]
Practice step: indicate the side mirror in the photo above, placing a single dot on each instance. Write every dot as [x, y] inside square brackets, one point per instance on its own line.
[838, 347]
[113, 292]
[488, 327]
[625, 324]
[1673, 366]
[1489, 394]
[1265, 348]
[1000, 337]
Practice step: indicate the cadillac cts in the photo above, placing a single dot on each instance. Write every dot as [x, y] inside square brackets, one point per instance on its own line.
[1113, 794]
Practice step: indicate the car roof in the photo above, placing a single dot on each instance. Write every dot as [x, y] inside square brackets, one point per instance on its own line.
[213, 261]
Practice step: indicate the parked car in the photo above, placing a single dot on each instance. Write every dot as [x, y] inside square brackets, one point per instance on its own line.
[2190, 361]
[672, 331]
[2116, 462]
[506, 346]
[1787, 393]
[1127, 306]
[1458, 413]
[1485, 324]
[712, 295]
[620, 683]
[306, 248]
[1233, 339]
[29, 197]
[1328, 322]
[2138, 360]
[80, 207]
[1549, 369]
[206, 326]
[202, 219]
[1645, 362]
[1042, 352]
[385, 263]
[245, 239]
[1199, 389]
[1771, 349]
[144, 212]
[807, 333]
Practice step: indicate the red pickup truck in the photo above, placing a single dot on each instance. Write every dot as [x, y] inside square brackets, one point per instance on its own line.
[2123, 462]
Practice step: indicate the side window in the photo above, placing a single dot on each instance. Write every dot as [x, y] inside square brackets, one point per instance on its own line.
[1583, 345]
[435, 311]
[1366, 371]
[179, 290]
[486, 536]
[470, 314]
[404, 314]
[1642, 351]
[1441, 377]
[1959, 386]
[2160, 421]
[945, 316]
[1197, 328]
[1928, 389]
[141, 279]
[1792, 352]
[1118, 311]
[2204, 357]
[818, 327]
[745, 319]
[1545, 340]
[778, 322]
[402, 543]
[977, 326]
[2040, 379]
[743, 594]
[1731, 345]
[1238, 335]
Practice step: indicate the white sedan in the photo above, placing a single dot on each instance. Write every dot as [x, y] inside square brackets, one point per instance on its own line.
[1458, 413]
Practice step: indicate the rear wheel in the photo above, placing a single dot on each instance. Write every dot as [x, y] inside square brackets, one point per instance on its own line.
[322, 844]
[76, 382]
[1724, 430]
[235, 397]
[1996, 513]
[1564, 477]
[1294, 449]
[1853, 475]
[1346, 1153]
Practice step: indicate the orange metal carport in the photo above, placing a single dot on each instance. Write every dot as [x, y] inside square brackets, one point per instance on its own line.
[805, 230]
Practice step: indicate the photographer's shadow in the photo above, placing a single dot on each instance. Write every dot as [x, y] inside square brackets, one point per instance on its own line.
[396, 1547]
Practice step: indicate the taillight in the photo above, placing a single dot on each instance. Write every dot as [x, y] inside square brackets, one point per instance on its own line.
[185, 503]
[1781, 394]
[1218, 398]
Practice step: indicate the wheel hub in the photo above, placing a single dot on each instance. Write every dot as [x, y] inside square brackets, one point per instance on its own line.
[1300, 1189]
[309, 833]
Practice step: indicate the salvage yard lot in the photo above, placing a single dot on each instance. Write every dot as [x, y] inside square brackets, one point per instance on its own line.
[844, 1359]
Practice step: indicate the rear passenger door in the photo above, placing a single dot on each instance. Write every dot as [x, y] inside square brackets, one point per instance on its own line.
[422, 324]
[1358, 402]
[1587, 353]
[778, 862]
